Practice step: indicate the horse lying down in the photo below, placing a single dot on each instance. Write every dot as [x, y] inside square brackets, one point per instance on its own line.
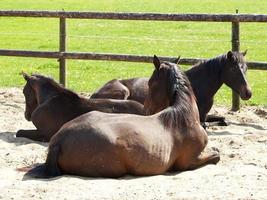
[206, 79]
[100, 144]
[49, 105]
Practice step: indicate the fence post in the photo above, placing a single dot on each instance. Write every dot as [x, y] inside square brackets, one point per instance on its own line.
[62, 48]
[235, 47]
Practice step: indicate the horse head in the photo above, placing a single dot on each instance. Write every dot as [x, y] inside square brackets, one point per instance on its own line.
[234, 74]
[38, 89]
[31, 102]
[157, 101]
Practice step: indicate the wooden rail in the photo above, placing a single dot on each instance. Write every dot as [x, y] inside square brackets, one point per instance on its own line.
[110, 57]
[137, 16]
[62, 54]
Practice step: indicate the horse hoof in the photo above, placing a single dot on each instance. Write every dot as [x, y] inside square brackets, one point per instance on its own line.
[223, 123]
[19, 133]
[215, 158]
[204, 125]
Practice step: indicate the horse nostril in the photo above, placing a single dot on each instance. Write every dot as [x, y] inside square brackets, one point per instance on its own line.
[248, 94]
[27, 116]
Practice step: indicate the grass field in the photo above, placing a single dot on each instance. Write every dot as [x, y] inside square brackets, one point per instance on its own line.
[203, 40]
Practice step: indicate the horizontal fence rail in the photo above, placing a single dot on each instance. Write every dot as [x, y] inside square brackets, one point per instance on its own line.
[111, 57]
[62, 54]
[138, 16]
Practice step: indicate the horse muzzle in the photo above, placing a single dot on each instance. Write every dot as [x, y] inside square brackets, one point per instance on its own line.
[27, 116]
[245, 93]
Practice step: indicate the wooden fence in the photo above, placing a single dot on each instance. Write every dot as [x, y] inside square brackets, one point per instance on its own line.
[62, 55]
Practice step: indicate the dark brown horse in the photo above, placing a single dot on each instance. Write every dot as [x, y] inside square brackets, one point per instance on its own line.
[50, 105]
[206, 78]
[99, 144]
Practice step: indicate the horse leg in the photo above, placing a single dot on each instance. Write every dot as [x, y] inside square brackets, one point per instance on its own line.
[202, 115]
[219, 120]
[204, 125]
[31, 134]
[195, 157]
[191, 157]
[201, 160]
[187, 162]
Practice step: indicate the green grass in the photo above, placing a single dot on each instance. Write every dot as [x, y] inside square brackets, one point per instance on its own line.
[196, 39]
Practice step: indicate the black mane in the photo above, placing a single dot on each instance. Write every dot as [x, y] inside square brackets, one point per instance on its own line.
[217, 63]
[212, 65]
[182, 96]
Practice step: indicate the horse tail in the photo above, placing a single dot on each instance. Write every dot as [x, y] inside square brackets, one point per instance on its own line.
[48, 169]
[36, 172]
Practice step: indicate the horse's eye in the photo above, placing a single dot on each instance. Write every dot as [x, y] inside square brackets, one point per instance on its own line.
[235, 63]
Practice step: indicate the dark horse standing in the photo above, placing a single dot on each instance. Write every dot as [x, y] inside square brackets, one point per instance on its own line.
[50, 105]
[206, 78]
[99, 144]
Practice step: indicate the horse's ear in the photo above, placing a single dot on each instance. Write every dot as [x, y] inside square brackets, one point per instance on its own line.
[176, 60]
[156, 62]
[25, 76]
[28, 78]
[230, 55]
[244, 52]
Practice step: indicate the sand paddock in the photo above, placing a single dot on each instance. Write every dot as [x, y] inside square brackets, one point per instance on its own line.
[241, 173]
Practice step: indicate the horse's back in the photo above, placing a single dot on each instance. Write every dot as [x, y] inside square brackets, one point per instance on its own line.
[133, 89]
[115, 106]
[112, 90]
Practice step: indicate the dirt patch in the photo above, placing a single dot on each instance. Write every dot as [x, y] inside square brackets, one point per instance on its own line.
[241, 173]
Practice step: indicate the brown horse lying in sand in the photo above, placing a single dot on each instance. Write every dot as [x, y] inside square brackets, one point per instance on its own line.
[206, 79]
[50, 105]
[98, 144]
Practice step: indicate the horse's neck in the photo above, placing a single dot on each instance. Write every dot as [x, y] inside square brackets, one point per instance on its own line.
[206, 78]
[182, 115]
[45, 94]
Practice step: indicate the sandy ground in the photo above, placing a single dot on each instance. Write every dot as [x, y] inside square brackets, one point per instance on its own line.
[241, 173]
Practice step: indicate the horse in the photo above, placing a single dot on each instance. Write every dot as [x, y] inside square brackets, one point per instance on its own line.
[206, 79]
[49, 105]
[98, 144]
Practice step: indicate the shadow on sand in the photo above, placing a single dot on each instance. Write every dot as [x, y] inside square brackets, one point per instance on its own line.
[10, 137]
[223, 131]
[125, 178]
